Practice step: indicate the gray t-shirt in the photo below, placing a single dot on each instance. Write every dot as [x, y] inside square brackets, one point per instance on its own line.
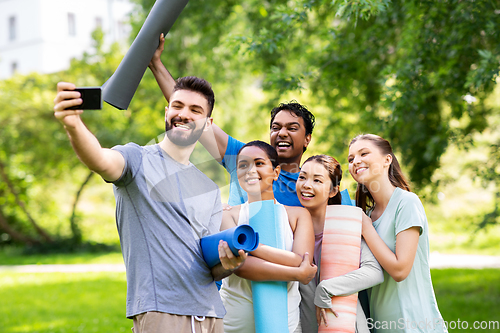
[163, 208]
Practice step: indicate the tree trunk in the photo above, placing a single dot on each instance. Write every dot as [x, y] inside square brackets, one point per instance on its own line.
[20, 203]
[17, 236]
[77, 234]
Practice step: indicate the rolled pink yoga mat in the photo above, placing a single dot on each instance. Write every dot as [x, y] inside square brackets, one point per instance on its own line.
[340, 254]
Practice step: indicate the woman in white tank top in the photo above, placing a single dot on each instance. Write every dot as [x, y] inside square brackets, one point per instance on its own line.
[257, 168]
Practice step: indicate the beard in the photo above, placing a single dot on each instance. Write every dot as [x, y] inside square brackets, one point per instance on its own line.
[183, 139]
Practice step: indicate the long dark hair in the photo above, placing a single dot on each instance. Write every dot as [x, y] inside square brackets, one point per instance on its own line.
[266, 148]
[364, 198]
[334, 171]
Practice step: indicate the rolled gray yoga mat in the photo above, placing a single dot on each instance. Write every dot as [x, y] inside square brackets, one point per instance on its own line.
[121, 86]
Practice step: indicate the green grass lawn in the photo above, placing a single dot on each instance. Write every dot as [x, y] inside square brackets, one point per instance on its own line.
[95, 302]
[13, 256]
[63, 302]
[468, 295]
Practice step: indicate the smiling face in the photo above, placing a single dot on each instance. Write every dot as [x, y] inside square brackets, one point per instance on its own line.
[288, 137]
[367, 164]
[256, 173]
[186, 117]
[314, 186]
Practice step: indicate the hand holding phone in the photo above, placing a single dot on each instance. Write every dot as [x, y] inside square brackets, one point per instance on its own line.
[91, 97]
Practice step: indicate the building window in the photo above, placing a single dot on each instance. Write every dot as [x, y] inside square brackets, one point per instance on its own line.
[12, 28]
[98, 22]
[13, 68]
[71, 24]
[123, 30]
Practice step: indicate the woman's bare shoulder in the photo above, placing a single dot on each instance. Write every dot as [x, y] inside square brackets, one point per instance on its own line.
[233, 211]
[296, 211]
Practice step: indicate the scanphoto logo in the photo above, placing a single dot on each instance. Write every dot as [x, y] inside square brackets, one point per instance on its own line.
[404, 324]
[476, 325]
[427, 324]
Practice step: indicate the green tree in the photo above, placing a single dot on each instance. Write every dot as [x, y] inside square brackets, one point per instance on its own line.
[401, 72]
[401, 69]
[397, 68]
[35, 153]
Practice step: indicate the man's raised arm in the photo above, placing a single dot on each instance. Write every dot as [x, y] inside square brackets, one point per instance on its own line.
[106, 162]
[215, 139]
[163, 77]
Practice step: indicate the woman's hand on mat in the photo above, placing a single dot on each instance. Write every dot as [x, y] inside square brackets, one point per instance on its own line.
[321, 316]
[229, 261]
[307, 271]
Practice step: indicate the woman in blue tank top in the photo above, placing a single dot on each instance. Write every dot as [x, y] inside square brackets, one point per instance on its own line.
[257, 167]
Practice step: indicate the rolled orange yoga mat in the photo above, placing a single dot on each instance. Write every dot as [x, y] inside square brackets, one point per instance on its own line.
[340, 254]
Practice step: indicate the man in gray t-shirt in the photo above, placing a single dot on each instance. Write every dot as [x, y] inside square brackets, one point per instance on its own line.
[164, 205]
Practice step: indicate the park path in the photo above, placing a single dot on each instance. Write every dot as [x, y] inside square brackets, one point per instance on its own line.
[437, 260]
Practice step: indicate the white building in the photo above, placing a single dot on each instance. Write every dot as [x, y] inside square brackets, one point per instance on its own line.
[44, 35]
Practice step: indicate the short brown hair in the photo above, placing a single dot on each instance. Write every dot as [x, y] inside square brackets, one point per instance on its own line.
[198, 85]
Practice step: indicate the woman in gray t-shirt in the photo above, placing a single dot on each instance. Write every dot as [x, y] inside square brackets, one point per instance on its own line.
[398, 237]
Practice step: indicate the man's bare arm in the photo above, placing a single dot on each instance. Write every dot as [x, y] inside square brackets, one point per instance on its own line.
[215, 139]
[163, 77]
[106, 162]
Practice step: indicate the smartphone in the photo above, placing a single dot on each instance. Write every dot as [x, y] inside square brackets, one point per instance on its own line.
[91, 97]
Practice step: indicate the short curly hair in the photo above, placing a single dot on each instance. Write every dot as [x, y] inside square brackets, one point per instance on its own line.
[299, 110]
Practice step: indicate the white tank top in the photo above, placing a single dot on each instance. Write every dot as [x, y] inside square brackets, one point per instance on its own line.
[236, 292]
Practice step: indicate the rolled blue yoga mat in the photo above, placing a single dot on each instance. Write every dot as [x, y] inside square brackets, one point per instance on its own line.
[121, 86]
[270, 298]
[242, 237]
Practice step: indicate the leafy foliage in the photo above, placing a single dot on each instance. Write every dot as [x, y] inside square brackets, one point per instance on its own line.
[396, 68]
[402, 72]
[35, 153]
[415, 72]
